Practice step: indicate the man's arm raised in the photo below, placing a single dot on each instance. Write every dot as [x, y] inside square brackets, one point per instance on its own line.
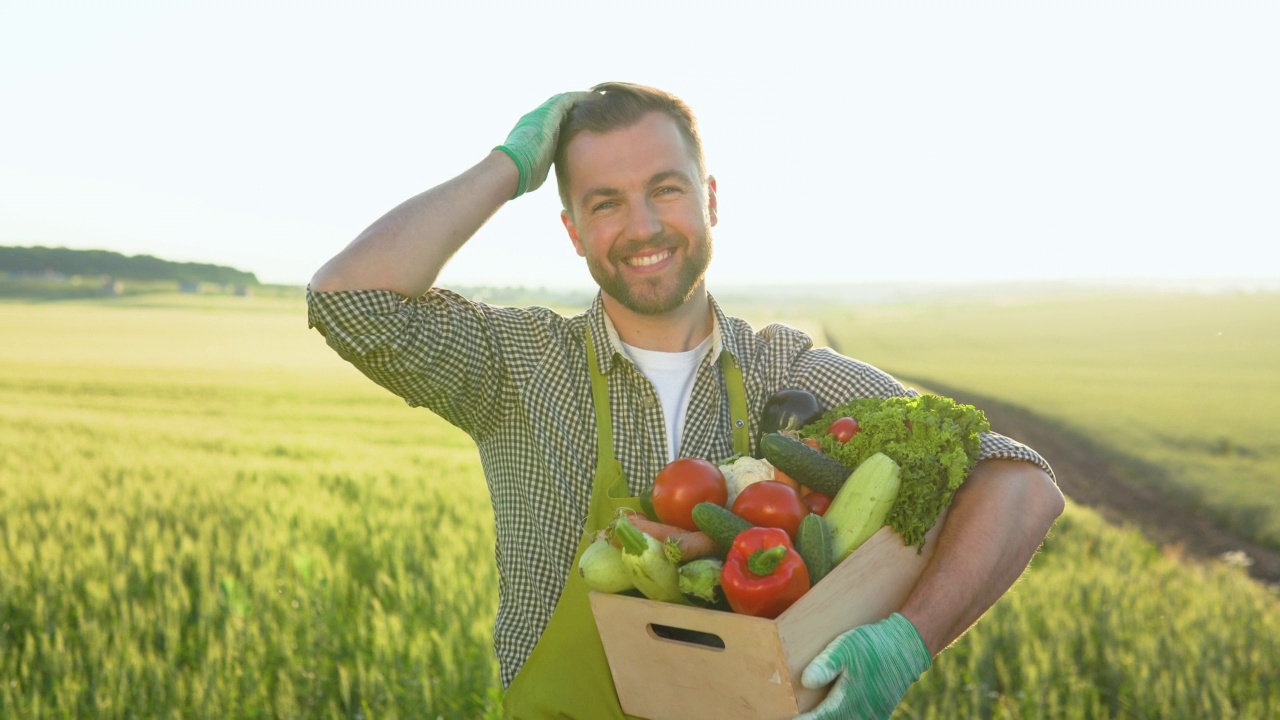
[405, 249]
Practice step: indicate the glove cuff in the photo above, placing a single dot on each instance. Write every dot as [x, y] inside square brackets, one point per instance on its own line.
[908, 638]
[523, 185]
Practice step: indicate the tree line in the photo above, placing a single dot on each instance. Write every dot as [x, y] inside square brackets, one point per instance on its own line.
[66, 261]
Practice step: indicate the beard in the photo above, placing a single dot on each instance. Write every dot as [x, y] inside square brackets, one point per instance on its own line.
[657, 295]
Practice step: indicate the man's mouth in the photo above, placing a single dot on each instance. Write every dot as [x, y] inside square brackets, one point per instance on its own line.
[647, 260]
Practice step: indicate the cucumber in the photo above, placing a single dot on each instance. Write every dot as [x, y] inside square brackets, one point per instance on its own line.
[805, 465]
[720, 524]
[646, 505]
[813, 542]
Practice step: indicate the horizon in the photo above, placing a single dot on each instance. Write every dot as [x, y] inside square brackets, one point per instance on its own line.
[984, 144]
[877, 290]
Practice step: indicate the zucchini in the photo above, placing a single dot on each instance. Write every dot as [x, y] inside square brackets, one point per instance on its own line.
[650, 569]
[813, 542]
[860, 508]
[719, 523]
[602, 569]
[807, 466]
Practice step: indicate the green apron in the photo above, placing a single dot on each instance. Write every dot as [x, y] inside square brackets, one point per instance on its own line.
[567, 674]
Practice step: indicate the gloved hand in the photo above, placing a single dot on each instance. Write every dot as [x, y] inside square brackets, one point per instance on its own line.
[532, 142]
[875, 663]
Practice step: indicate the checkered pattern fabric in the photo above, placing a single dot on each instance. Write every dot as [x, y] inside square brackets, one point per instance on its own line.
[516, 380]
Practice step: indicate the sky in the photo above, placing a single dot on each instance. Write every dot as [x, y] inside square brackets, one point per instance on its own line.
[850, 142]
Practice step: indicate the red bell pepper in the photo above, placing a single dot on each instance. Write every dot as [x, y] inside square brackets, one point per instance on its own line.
[763, 574]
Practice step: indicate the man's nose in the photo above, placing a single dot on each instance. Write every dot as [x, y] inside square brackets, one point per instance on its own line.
[643, 222]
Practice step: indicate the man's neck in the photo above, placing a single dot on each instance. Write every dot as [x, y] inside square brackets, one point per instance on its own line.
[677, 331]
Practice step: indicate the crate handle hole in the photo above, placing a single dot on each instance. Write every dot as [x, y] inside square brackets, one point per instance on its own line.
[689, 637]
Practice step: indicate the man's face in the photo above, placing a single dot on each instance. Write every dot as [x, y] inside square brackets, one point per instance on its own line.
[641, 216]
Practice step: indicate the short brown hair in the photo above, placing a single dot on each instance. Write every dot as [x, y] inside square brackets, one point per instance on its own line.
[615, 105]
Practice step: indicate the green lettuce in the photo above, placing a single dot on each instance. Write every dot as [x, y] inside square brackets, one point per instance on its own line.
[934, 439]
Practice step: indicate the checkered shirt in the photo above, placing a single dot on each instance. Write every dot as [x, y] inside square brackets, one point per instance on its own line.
[516, 380]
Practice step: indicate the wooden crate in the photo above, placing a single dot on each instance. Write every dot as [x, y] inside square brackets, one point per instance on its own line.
[673, 661]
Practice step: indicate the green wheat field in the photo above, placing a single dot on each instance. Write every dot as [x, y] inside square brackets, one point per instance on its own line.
[205, 513]
[1183, 383]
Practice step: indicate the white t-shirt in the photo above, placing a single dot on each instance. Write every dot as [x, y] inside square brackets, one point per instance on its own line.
[672, 376]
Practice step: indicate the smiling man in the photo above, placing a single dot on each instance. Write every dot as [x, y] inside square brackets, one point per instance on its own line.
[574, 416]
[638, 209]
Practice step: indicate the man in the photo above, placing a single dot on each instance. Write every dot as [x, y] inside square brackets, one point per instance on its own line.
[661, 370]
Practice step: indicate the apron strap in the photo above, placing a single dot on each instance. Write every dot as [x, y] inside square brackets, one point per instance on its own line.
[600, 400]
[737, 402]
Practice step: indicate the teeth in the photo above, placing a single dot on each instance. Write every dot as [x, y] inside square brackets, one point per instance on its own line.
[649, 259]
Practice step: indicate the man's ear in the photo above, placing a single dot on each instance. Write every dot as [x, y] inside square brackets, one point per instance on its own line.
[711, 199]
[573, 232]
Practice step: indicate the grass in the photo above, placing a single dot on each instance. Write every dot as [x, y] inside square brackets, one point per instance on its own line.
[1181, 382]
[207, 514]
[204, 513]
[1105, 625]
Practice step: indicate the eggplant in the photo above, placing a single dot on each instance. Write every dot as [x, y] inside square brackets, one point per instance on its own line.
[788, 410]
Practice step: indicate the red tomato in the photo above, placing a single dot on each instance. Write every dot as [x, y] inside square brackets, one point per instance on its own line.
[813, 444]
[817, 502]
[684, 483]
[844, 429]
[771, 504]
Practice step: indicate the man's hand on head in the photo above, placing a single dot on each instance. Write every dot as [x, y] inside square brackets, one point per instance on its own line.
[532, 142]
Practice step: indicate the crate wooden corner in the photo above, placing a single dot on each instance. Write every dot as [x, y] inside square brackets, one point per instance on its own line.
[737, 666]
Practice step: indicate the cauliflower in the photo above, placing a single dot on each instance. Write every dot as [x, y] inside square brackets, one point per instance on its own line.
[743, 472]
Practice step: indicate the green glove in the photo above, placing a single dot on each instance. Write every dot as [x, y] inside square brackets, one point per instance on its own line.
[532, 142]
[875, 665]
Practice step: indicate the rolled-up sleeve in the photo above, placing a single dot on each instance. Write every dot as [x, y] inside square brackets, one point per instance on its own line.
[998, 447]
[435, 351]
[834, 378]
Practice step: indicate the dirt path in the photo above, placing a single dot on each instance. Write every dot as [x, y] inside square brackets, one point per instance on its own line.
[1122, 489]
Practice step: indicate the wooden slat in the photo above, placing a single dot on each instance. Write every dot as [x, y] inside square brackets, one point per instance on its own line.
[661, 678]
[868, 586]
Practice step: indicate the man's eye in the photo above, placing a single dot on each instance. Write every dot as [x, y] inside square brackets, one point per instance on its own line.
[668, 190]
[603, 206]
